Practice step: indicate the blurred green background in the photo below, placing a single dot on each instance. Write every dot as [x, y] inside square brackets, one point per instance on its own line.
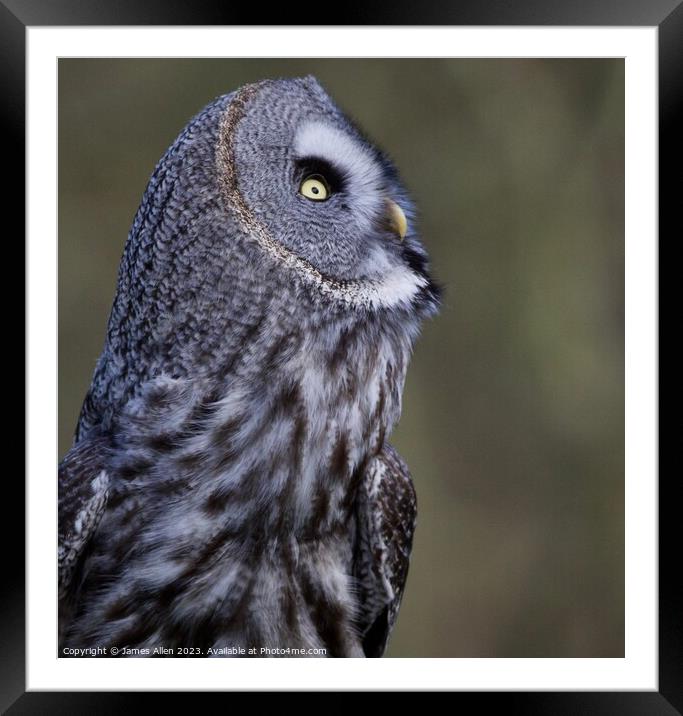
[513, 420]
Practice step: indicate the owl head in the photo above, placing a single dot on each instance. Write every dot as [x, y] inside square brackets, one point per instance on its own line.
[314, 190]
[278, 164]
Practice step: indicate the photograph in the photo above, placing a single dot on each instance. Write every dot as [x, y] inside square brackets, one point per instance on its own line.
[341, 357]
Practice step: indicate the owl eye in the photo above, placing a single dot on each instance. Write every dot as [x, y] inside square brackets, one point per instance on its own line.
[315, 187]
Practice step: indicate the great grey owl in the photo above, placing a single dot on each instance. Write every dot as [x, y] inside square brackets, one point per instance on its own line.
[230, 488]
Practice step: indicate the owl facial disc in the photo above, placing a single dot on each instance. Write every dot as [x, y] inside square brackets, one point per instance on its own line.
[305, 183]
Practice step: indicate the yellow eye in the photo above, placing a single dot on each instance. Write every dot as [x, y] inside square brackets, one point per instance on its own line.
[314, 187]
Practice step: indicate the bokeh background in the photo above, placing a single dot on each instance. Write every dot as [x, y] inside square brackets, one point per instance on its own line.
[513, 420]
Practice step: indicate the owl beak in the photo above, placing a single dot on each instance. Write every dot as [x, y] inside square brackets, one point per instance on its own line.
[397, 219]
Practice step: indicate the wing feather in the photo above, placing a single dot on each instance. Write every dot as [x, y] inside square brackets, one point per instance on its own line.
[386, 514]
[83, 488]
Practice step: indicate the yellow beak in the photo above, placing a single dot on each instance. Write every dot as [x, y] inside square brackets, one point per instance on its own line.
[397, 219]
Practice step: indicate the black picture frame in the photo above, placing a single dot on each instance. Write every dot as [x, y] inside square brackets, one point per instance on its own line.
[667, 15]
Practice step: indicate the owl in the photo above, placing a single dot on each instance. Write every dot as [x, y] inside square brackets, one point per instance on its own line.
[230, 489]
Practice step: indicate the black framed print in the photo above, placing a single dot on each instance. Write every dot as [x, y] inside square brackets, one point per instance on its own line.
[343, 341]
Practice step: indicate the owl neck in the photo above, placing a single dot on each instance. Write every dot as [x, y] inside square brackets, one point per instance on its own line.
[277, 443]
